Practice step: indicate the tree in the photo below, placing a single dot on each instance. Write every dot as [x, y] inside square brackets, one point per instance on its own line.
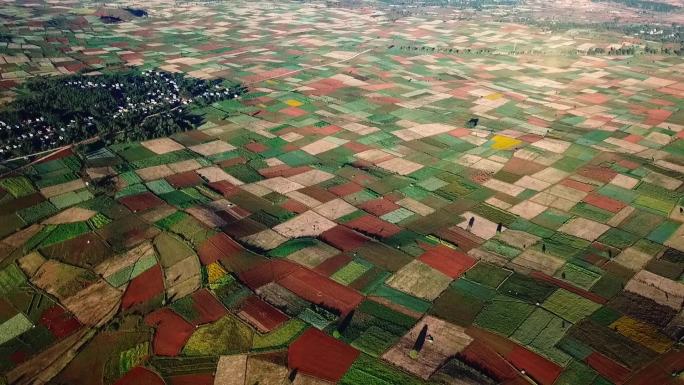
[343, 324]
[420, 341]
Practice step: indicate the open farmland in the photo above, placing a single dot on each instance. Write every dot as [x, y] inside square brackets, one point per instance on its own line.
[397, 195]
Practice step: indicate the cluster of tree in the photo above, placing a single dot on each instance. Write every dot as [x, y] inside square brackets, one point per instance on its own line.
[49, 112]
[671, 50]
[58, 22]
[441, 49]
[633, 50]
[625, 50]
[644, 4]
[137, 12]
[110, 19]
[111, 15]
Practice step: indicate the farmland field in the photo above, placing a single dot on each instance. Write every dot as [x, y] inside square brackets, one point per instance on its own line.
[356, 192]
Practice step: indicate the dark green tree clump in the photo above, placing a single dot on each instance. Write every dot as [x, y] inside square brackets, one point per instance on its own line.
[50, 112]
[137, 12]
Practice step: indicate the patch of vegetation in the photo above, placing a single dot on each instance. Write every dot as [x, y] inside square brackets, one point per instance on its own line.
[137, 12]
[225, 336]
[368, 370]
[463, 372]
[53, 111]
[110, 19]
[279, 337]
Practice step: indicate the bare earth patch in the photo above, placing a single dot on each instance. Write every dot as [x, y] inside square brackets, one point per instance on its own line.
[448, 339]
[420, 280]
[308, 224]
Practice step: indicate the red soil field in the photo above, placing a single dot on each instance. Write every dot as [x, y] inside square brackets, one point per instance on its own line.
[131, 57]
[273, 171]
[324, 86]
[660, 371]
[21, 203]
[172, 332]
[294, 206]
[362, 179]
[521, 166]
[321, 290]
[656, 117]
[369, 224]
[283, 170]
[140, 376]
[577, 185]
[295, 170]
[141, 202]
[531, 138]
[569, 287]
[19, 356]
[596, 98]
[451, 262]
[208, 308]
[304, 282]
[256, 147]
[319, 355]
[332, 264]
[318, 193]
[539, 368]
[192, 379]
[345, 189]
[356, 147]
[608, 368]
[484, 356]
[269, 271]
[216, 247]
[364, 164]
[594, 259]
[59, 322]
[232, 162]
[143, 287]
[233, 214]
[465, 240]
[84, 251]
[197, 136]
[379, 206]
[604, 202]
[628, 164]
[501, 345]
[293, 111]
[601, 174]
[343, 238]
[326, 131]
[184, 179]
[7, 84]
[225, 188]
[261, 315]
